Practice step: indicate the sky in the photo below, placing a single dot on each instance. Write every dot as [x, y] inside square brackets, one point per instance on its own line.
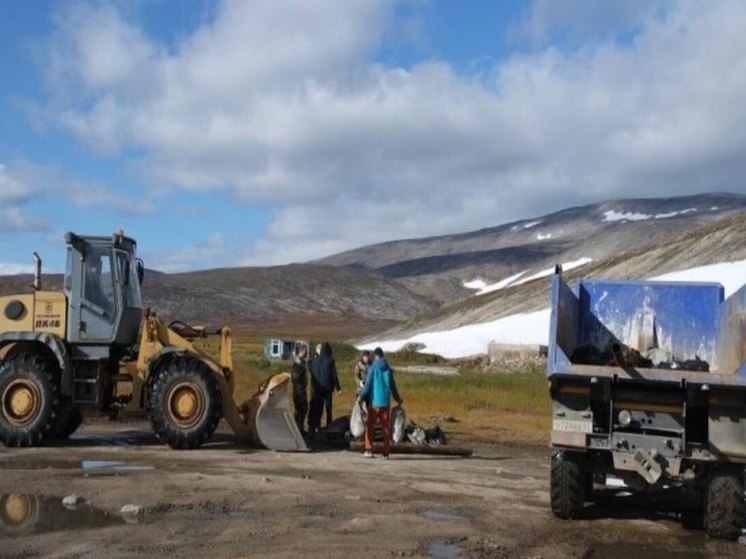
[263, 132]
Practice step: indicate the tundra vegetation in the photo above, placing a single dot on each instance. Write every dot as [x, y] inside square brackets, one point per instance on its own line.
[486, 403]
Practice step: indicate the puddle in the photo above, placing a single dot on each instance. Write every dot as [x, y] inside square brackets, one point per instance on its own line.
[23, 515]
[445, 516]
[638, 551]
[93, 466]
[124, 438]
[37, 464]
[443, 551]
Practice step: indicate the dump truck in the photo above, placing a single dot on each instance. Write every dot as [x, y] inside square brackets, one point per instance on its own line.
[648, 386]
[94, 349]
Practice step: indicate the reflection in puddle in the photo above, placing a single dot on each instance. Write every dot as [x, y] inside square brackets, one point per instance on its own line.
[21, 515]
[443, 551]
[445, 516]
[115, 466]
[38, 464]
[686, 548]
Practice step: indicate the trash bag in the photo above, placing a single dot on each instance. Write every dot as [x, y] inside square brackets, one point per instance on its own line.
[416, 434]
[436, 435]
[398, 421]
[357, 419]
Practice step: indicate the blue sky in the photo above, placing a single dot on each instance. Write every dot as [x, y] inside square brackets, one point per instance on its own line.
[272, 131]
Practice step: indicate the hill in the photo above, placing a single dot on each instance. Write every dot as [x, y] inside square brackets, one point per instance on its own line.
[439, 267]
[299, 299]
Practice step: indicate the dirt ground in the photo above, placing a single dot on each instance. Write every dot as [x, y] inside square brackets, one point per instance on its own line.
[225, 500]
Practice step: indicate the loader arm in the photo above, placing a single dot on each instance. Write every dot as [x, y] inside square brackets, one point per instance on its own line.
[265, 419]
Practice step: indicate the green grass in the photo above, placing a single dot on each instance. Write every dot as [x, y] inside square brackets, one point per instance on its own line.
[488, 404]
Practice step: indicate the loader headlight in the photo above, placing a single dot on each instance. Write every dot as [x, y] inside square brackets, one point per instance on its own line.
[625, 418]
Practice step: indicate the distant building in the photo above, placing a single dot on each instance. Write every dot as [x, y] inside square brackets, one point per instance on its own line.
[502, 354]
[276, 349]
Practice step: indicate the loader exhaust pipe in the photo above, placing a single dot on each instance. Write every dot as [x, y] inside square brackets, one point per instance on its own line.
[37, 272]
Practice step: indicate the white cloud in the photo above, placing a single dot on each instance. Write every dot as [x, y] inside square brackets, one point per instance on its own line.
[210, 253]
[281, 104]
[13, 268]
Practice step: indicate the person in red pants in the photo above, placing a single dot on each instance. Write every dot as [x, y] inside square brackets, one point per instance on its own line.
[379, 387]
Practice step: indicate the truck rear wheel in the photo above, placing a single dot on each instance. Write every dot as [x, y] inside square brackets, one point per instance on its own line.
[29, 400]
[568, 483]
[724, 508]
[184, 403]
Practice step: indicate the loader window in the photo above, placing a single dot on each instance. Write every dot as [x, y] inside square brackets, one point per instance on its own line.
[127, 274]
[98, 285]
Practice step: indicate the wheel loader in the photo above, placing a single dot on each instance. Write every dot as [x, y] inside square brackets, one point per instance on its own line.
[94, 348]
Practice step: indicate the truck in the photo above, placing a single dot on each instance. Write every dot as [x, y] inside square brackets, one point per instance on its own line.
[648, 385]
[94, 348]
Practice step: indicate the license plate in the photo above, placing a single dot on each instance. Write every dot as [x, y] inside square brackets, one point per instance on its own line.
[573, 425]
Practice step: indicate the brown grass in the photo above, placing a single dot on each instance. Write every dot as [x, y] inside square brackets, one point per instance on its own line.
[488, 404]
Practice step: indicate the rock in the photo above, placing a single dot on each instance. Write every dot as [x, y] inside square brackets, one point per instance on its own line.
[72, 501]
[130, 510]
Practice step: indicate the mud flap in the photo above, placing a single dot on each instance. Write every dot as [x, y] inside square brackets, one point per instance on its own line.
[270, 421]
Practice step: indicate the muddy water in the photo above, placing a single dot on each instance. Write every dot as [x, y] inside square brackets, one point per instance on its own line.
[443, 551]
[445, 516]
[23, 515]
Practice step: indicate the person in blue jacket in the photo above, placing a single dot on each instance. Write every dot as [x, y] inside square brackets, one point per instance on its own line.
[379, 387]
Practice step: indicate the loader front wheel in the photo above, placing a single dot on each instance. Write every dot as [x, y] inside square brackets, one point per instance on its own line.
[724, 505]
[69, 421]
[184, 403]
[29, 400]
[568, 483]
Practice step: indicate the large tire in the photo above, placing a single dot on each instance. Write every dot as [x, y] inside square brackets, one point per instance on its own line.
[567, 483]
[184, 402]
[724, 506]
[69, 421]
[29, 400]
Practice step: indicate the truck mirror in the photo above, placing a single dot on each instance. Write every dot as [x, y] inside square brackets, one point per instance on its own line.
[140, 268]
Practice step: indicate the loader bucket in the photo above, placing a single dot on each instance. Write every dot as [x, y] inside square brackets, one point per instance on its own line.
[270, 421]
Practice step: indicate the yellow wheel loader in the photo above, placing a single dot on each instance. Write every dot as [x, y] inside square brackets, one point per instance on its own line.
[94, 347]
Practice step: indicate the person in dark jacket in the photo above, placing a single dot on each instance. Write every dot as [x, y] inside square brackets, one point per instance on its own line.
[379, 387]
[324, 382]
[299, 377]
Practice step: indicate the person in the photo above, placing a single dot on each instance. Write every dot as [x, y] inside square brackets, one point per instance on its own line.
[324, 382]
[361, 368]
[379, 387]
[299, 377]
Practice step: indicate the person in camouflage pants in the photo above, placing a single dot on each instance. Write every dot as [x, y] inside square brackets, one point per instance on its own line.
[299, 376]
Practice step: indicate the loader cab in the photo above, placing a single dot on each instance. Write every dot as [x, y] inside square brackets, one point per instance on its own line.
[102, 285]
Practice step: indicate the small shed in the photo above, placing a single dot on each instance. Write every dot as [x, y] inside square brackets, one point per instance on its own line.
[276, 349]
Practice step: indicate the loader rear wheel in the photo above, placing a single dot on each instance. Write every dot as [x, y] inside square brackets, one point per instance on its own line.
[184, 403]
[567, 483]
[69, 421]
[724, 508]
[29, 400]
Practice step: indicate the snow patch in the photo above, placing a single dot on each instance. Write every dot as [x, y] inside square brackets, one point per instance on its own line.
[565, 267]
[543, 237]
[517, 279]
[526, 328]
[674, 214]
[478, 284]
[500, 284]
[731, 275]
[613, 215]
[533, 328]
[531, 224]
